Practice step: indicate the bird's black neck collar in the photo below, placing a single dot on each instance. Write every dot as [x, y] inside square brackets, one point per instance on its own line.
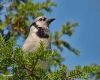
[41, 31]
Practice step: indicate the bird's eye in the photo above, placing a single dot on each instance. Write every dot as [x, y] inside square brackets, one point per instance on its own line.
[40, 19]
[44, 19]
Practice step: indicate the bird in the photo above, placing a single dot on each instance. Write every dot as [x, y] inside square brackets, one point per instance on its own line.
[39, 31]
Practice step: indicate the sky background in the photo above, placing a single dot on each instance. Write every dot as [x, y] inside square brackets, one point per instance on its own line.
[87, 35]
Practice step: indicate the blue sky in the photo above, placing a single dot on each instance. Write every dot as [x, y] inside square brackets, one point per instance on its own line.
[87, 35]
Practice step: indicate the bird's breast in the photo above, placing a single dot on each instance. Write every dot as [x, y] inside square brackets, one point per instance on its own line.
[33, 42]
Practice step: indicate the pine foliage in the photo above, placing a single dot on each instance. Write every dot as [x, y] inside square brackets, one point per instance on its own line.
[15, 64]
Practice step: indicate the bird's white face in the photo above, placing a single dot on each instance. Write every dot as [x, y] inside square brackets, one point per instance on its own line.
[41, 21]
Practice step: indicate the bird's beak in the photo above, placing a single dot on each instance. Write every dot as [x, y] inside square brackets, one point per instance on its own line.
[50, 20]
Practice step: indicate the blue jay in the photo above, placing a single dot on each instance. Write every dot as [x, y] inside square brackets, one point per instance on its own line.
[39, 31]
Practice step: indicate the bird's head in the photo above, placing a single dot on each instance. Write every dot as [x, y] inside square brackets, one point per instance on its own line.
[42, 21]
[41, 25]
